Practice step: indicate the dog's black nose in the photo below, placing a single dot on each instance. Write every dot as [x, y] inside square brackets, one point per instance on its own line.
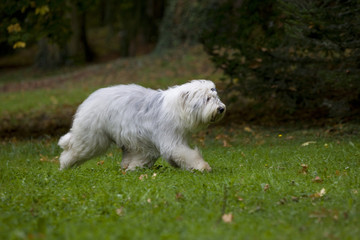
[221, 109]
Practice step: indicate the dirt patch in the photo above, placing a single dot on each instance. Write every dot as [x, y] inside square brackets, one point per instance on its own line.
[36, 124]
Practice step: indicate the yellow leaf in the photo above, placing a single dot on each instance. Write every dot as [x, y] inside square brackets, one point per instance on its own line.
[248, 129]
[42, 10]
[14, 28]
[19, 45]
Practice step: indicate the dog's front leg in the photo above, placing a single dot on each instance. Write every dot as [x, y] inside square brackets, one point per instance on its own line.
[189, 159]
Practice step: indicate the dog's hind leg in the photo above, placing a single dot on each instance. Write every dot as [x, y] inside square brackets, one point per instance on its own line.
[79, 149]
[132, 160]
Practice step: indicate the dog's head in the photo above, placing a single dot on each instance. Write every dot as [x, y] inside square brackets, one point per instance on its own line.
[201, 103]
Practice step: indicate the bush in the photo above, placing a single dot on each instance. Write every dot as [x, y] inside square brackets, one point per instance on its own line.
[292, 56]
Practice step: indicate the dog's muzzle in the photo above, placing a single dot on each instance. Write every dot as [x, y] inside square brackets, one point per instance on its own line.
[221, 110]
[219, 114]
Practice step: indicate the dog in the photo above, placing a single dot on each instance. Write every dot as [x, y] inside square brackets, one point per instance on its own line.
[144, 123]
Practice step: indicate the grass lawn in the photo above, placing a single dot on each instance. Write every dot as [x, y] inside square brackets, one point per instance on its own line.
[265, 184]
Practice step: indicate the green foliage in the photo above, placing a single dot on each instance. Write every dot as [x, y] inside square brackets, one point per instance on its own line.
[297, 56]
[183, 23]
[268, 183]
[35, 20]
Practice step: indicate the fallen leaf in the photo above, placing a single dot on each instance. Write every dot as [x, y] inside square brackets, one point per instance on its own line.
[318, 194]
[100, 162]
[266, 187]
[227, 218]
[154, 176]
[317, 179]
[143, 176]
[120, 211]
[294, 199]
[248, 129]
[307, 143]
[225, 139]
[304, 168]
[226, 144]
[282, 201]
[325, 213]
[292, 89]
[179, 196]
[47, 159]
[322, 192]
[256, 209]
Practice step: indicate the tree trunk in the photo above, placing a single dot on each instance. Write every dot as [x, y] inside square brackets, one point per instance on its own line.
[78, 48]
[49, 55]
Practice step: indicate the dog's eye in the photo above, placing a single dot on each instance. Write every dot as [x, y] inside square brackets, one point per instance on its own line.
[213, 89]
[208, 99]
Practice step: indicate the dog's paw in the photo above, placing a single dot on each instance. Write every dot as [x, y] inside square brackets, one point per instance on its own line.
[204, 167]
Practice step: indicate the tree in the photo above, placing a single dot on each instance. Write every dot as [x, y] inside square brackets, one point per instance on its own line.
[183, 22]
[301, 56]
[25, 22]
[139, 24]
[78, 47]
[61, 27]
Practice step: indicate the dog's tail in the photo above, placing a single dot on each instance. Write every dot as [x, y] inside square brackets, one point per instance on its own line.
[64, 141]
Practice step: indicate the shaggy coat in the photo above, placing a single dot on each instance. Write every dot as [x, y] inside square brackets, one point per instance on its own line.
[144, 123]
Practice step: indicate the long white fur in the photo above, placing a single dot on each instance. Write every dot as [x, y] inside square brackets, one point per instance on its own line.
[145, 123]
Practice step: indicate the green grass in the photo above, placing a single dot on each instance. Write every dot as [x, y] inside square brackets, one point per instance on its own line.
[98, 201]
[269, 183]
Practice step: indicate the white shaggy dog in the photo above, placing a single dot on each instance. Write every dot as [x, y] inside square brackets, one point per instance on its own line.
[145, 123]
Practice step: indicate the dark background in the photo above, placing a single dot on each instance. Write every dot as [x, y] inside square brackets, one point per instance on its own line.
[296, 60]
